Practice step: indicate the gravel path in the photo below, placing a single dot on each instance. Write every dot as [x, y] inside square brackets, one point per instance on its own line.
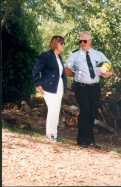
[29, 161]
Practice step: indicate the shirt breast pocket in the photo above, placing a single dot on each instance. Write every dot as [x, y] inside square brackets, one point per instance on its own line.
[77, 65]
[97, 61]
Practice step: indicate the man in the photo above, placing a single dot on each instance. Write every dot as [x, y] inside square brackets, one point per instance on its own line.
[83, 64]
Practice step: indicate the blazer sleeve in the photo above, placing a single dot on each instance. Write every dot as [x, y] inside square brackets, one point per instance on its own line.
[38, 69]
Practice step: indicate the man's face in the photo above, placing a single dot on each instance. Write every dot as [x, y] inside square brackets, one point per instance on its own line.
[85, 40]
[85, 43]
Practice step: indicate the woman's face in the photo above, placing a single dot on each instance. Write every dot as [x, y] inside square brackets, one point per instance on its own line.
[60, 47]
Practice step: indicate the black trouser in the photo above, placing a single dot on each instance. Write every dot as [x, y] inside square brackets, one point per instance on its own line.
[87, 97]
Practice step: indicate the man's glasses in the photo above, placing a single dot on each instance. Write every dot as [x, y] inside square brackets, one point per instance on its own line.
[84, 41]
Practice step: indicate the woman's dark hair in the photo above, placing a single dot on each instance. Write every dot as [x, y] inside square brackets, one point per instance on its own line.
[55, 40]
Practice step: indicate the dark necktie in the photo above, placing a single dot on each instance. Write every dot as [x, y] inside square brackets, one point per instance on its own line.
[91, 70]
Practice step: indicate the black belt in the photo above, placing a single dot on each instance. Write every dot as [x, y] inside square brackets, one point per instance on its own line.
[85, 84]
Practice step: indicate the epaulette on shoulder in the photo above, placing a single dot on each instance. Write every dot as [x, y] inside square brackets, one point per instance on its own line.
[75, 50]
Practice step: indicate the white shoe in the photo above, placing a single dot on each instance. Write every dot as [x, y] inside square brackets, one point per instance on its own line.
[52, 139]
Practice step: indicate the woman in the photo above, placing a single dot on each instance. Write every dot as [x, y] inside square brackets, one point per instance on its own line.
[50, 80]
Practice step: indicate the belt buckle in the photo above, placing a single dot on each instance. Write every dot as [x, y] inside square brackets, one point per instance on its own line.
[83, 84]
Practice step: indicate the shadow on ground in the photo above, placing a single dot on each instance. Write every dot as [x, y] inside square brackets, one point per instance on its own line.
[108, 141]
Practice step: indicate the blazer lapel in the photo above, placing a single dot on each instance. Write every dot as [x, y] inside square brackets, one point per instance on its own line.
[55, 60]
[61, 61]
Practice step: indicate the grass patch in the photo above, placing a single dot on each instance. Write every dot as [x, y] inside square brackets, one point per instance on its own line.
[111, 148]
[28, 131]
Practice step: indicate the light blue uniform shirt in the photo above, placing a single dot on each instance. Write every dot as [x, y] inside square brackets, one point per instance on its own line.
[77, 62]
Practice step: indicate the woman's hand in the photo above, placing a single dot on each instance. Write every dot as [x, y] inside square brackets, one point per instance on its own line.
[40, 89]
[69, 72]
[106, 74]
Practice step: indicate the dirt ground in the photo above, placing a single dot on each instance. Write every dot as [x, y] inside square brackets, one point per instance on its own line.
[32, 161]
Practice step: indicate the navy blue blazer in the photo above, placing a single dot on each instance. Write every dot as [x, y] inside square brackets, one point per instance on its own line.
[46, 72]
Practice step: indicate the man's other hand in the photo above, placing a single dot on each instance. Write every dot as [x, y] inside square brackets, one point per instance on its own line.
[106, 74]
[69, 72]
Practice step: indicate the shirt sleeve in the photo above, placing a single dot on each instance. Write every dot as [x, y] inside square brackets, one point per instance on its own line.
[70, 62]
[104, 58]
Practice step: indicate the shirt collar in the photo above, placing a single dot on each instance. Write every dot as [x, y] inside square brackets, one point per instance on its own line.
[89, 50]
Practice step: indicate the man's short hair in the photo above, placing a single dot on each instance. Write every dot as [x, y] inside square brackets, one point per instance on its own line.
[85, 35]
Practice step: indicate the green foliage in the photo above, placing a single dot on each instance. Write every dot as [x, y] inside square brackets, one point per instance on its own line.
[103, 19]
[27, 27]
[18, 55]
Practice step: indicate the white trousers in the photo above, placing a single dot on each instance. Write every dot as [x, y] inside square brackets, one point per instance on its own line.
[53, 102]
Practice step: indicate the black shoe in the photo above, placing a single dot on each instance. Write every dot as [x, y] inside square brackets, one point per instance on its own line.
[94, 145]
[83, 146]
